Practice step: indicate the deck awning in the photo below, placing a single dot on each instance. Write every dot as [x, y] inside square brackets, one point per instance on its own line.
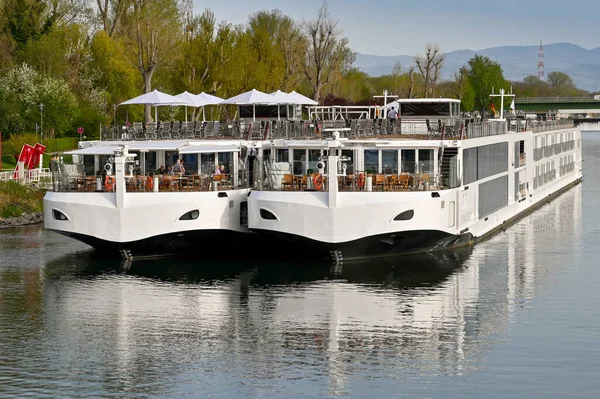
[207, 148]
[95, 150]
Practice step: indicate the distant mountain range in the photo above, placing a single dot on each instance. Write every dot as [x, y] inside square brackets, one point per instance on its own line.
[517, 62]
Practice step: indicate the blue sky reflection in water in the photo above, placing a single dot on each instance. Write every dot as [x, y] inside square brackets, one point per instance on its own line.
[516, 316]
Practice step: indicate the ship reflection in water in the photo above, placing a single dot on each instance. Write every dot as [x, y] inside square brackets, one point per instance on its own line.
[164, 328]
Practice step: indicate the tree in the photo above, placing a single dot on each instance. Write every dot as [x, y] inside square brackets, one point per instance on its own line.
[326, 53]
[464, 89]
[561, 84]
[111, 13]
[153, 37]
[23, 89]
[485, 75]
[430, 66]
[25, 20]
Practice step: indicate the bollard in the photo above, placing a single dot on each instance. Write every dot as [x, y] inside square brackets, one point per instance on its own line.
[369, 184]
[98, 184]
[155, 185]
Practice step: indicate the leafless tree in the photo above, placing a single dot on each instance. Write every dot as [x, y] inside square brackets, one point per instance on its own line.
[153, 36]
[460, 78]
[327, 53]
[111, 13]
[430, 66]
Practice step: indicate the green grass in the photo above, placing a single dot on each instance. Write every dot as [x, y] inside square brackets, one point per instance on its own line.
[15, 199]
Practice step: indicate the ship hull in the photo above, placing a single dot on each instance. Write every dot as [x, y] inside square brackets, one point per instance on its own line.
[377, 246]
[199, 244]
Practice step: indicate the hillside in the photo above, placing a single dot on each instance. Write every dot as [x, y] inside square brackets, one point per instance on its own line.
[517, 62]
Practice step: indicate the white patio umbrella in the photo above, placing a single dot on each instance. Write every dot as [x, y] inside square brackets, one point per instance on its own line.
[251, 97]
[155, 98]
[303, 99]
[284, 98]
[207, 99]
[188, 99]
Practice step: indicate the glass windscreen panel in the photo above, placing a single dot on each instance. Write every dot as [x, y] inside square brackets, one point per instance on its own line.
[190, 162]
[408, 161]
[425, 109]
[371, 161]
[349, 154]
[207, 163]
[225, 162]
[425, 161]
[299, 161]
[389, 162]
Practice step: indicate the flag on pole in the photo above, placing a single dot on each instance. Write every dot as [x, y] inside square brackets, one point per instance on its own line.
[493, 108]
[512, 105]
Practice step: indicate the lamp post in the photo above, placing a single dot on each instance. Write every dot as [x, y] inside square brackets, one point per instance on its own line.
[41, 121]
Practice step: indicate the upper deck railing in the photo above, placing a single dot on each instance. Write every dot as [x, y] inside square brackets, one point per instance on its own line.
[303, 129]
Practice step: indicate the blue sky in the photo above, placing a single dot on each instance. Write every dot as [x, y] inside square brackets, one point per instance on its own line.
[388, 27]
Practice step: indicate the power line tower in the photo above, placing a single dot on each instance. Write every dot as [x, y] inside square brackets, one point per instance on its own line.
[541, 62]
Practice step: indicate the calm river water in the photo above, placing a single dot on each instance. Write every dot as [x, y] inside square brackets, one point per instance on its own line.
[517, 316]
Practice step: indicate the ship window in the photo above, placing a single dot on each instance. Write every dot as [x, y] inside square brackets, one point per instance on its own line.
[58, 215]
[425, 161]
[389, 161]
[408, 161]
[299, 159]
[313, 159]
[372, 161]
[267, 215]
[407, 215]
[282, 155]
[191, 215]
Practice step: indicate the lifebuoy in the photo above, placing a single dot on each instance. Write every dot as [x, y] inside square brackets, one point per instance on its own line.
[318, 181]
[149, 183]
[361, 180]
[109, 183]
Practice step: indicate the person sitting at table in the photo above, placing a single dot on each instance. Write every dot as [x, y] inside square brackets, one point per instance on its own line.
[169, 171]
[161, 170]
[182, 167]
[217, 170]
[223, 169]
[177, 167]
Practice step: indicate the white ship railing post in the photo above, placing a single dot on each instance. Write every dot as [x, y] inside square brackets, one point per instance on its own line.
[332, 172]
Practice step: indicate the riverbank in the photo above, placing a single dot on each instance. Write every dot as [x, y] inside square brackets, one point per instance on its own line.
[24, 220]
[20, 205]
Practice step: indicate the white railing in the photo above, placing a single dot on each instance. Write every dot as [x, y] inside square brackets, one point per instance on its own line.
[41, 177]
[587, 126]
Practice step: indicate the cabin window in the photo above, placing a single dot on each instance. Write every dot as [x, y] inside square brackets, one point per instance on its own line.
[190, 162]
[372, 161]
[282, 155]
[88, 165]
[170, 158]
[349, 154]
[226, 159]
[207, 163]
[425, 161]
[389, 163]
[425, 109]
[408, 161]
[299, 157]
[313, 158]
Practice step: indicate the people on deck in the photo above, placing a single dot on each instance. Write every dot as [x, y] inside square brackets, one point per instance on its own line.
[392, 115]
[161, 170]
[177, 167]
